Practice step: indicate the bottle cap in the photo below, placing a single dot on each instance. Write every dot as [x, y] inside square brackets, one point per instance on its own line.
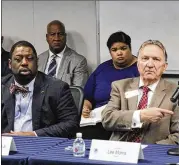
[79, 135]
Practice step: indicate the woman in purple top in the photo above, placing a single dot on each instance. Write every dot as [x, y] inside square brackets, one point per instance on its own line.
[122, 65]
[98, 87]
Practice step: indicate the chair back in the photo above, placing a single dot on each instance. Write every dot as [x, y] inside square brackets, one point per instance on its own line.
[78, 96]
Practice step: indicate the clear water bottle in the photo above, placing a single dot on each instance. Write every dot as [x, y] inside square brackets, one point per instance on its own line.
[79, 146]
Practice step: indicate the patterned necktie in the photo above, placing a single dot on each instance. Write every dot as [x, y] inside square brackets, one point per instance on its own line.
[15, 89]
[136, 134]
[144, 99]
[52, 67]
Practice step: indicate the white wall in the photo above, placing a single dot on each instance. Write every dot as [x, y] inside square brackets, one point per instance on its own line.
[88, 27]
[28, 20]
[17, 22]
[142, 20]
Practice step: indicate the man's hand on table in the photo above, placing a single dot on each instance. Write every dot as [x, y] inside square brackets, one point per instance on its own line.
[12, 133]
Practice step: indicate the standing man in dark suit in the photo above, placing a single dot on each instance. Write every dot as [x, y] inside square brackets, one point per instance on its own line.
[60, 61]
[4, 60]
[34, 104]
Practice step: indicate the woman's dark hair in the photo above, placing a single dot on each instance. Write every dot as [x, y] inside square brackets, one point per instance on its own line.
[118, 37]
[23, 43]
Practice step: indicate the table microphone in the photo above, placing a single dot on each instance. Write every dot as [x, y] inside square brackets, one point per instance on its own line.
[173, 151]
[174, 98]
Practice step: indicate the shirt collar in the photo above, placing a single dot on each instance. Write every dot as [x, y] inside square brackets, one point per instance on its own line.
[151, 87]
[30, 85]
[59, 54]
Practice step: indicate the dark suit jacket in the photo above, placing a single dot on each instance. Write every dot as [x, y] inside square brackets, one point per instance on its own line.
[117, 116]
[73, 67]
[53, 109]
[4, 63]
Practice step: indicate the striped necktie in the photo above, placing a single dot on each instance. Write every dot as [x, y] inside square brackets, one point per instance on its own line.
[52, 67]
[136, 134]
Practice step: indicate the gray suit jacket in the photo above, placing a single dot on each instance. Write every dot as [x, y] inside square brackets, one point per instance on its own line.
[117, 116]
[73, 68]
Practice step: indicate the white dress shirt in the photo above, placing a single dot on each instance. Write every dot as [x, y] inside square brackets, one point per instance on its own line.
[136, 123]
[23, 109]
[58, 60]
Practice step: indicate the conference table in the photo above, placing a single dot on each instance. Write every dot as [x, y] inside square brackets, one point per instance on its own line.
[51, 151]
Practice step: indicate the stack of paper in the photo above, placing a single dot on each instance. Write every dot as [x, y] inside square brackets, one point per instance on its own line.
[95, 117]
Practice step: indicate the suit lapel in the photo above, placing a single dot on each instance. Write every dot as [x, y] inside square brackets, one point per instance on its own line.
[38, 97]
[43, 61]
[9, 104]
[64, 63]
[157, 98]
[11, 111]
[158, 95]
[132, 101]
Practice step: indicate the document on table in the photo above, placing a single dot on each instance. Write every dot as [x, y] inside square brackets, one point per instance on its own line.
[95, 117]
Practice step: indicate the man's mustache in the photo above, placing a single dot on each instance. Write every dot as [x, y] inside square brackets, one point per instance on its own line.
[25, 70]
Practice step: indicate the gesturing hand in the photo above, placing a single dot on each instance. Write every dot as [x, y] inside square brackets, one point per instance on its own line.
[154, 114]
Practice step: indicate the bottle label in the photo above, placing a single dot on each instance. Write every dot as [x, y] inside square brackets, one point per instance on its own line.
[78, 148]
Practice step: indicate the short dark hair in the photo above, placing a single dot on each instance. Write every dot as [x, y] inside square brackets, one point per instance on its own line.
[119, 37]
[56, 22]
[157, 43]
[25, 44]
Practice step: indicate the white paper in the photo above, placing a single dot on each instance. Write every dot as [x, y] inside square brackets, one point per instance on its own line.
[7, 145]
[141, 155]
[130, 94]
[116, 151]
[13, 145]
[144, 146]
[95, 117]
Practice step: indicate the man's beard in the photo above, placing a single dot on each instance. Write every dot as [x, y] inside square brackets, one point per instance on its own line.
[24, 79]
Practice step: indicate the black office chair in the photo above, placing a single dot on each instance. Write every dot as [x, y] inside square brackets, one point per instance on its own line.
[78, 96]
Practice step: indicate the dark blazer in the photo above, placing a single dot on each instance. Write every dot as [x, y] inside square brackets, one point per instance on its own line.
[4, 63]
[73, 67]
[53, 109]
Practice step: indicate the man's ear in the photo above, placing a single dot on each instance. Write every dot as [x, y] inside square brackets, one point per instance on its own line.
[37, 62]
[10, 64]
[165, 67]
[2, 39]
[47, 37]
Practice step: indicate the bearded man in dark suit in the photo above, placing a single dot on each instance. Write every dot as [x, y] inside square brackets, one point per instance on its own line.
[34, 104]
